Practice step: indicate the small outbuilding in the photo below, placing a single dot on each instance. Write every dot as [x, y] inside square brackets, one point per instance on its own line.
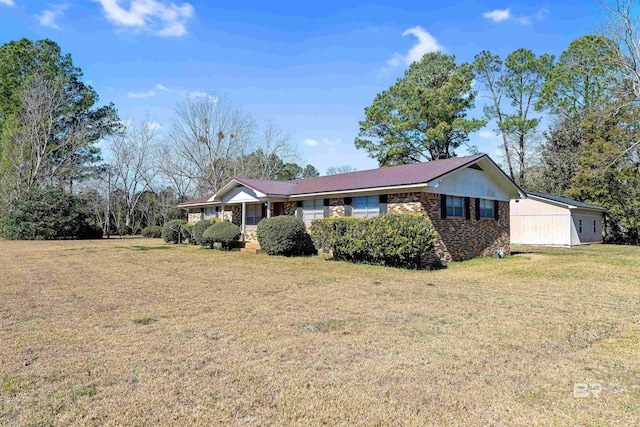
[543, 219]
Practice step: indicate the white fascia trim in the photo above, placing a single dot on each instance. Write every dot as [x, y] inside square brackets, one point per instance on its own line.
[565, 205]
[361, 190]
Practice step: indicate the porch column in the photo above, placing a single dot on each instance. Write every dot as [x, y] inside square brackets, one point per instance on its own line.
[268, 208]
[244, 216]
[222, 209]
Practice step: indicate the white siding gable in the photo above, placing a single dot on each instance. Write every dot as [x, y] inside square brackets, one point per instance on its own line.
[242, 194]
[471, 183]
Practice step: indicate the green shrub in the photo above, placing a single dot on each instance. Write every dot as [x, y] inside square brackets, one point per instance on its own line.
[221, 232]
[49, 214]
[200, 227]
[152, 231]
[284, 235]
[124, 230]
[187, 233]
[398, 240]
[171, 230]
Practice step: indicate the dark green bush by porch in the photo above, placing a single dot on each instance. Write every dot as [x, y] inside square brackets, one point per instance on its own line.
[171, 230]
[397, 240]
[284, 235]
[200, 227]
[222, 232]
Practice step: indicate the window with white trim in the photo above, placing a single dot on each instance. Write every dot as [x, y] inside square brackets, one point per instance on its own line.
[366, 206]
[455, 206]
[312, 209]
[253, 214]
[486, 208]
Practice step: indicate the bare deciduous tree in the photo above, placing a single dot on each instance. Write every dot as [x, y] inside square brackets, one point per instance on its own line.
[132, 151]
[622, 31]
[335, 170]
[210, 141]
[35, 149]
[208, 133]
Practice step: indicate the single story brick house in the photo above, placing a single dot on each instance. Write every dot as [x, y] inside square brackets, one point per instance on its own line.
[544, 219]
[466, 198]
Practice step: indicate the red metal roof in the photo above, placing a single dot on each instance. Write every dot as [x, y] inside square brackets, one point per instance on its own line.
[417, 173]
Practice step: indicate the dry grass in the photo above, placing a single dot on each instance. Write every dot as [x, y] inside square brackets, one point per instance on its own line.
[103, 333]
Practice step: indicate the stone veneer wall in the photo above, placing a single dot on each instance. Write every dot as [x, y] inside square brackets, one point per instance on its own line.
[458, 239]
[194, 216]
[336, 206]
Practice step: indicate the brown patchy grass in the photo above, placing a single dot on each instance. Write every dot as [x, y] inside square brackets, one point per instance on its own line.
[103, 333]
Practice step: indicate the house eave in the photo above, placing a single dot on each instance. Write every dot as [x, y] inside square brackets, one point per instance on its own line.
[338, 193]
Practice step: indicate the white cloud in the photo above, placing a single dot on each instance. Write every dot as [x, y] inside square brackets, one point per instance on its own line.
[541, 14]
[497, 15]
[486, 134]
[325, 141]
[140, 95]
[7, 2]
[426, 44]
[310, 142]
[157, 17]
[48, 17]
[162, 87]
[154, 125]
[524, 20]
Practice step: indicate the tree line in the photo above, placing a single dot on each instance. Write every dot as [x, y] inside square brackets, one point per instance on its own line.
[567, 126]
[56, 182]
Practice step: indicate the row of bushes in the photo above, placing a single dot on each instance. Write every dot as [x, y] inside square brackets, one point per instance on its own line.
[398, 240]
[204, 233]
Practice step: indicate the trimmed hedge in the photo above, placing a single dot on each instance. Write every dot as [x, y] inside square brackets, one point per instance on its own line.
[171, 230]
[397, 240]
[187, 233]
[284, 235]
[200, 227]
[221, 232]
[152, 231]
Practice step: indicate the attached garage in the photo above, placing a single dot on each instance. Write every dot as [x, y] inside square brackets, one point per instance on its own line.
[542, 219]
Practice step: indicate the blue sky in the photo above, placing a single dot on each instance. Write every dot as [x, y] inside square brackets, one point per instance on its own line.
[311, 66]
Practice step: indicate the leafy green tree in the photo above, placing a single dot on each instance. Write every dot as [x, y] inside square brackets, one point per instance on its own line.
[518, 80]
[606, 178]
[292, 171]
[423, 116]
[581, 86]
[561, 152]
[584, 78]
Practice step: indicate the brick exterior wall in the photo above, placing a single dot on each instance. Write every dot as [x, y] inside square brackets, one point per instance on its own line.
[458, 239]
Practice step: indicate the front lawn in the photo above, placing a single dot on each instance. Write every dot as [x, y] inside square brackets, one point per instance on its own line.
[113, 332]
